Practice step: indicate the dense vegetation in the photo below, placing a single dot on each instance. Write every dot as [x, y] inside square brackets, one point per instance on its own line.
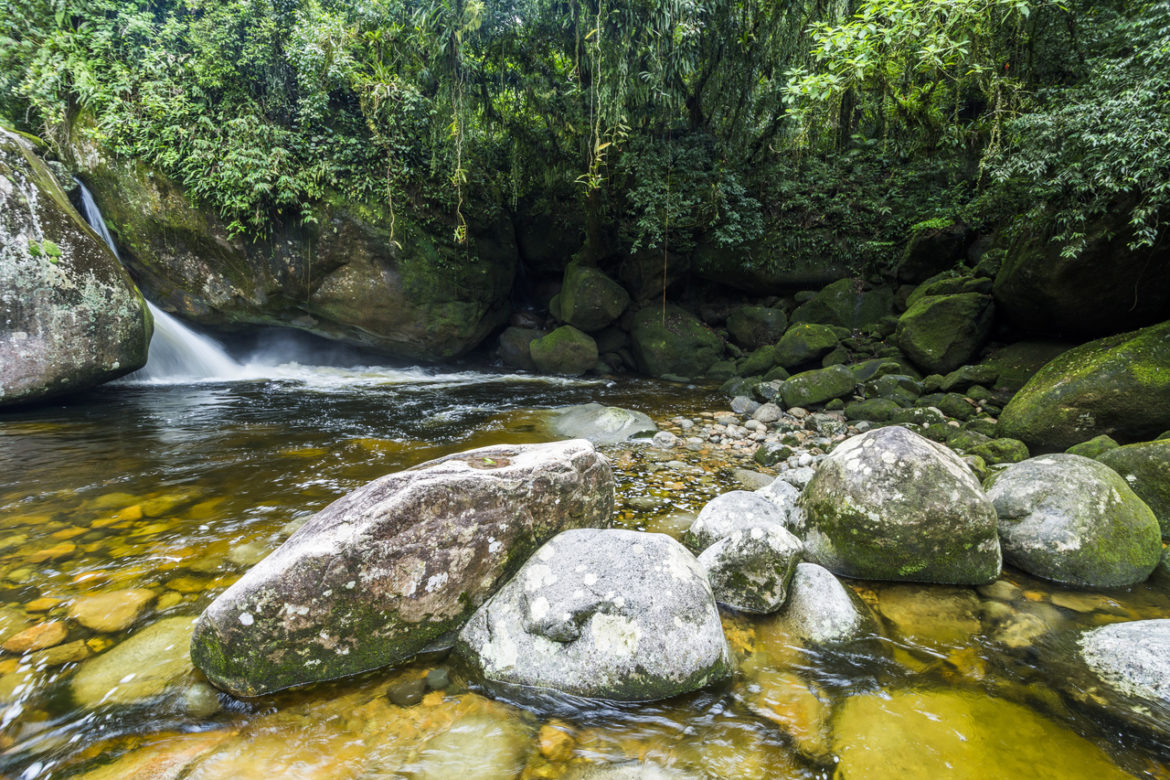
[665, 123]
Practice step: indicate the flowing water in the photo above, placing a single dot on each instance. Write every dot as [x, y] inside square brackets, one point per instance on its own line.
[174, 488]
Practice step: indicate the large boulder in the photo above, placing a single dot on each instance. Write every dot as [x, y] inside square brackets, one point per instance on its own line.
[590, 300]
[1105, 288]
[415, 293]
[892, 505]
[939, 333]
[1118, 386]
[737, 510]
[1129, 664]
[396, 566]
[674, 343]
[805, 342]
[753, 327]
[1073, 520]
[564, 351]
[1146, 468]
[932, 250]
[846, 303]
[818, 386]
[750, 569]
[72, 317]
[604, 614]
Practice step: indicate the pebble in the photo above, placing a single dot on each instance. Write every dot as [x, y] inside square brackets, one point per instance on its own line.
[38, 637]
[438, 679]
[664, 439]
[767, 413]
[409, 693]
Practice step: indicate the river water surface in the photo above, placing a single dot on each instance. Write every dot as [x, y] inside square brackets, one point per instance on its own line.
[179, 488]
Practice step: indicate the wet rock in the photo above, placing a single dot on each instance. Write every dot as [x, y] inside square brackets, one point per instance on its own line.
[409, 693]
[477, 746]
[111, 612]
[821, 611]
[1073, 520]
[200, 700]
[936, 616]
[665, 440]
[767, 413]
[751, 480]
[555, 741]
[564, 351]
[73, 317]
[889, 504]
[514, 347]
[772, 452]
[939, 333]
[37, 637]
[926, 734]
[1145, 468]
[152, 661]
[438, 679]
[750, 569]
[1133, 661]
[729, 512]
[781, 493]
[629, 771]
[396, 565]
[607, 614]
[601, 424]
[797, 708]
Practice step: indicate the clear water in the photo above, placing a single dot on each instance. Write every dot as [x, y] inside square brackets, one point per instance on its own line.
[179, 488]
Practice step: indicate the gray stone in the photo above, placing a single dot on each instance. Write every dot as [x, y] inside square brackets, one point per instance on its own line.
[1145, 467]
[889, 504]
[750, 479]
[768, 413]
[606, 614]
[782, 493]
[72, 317]
[821, 611]
[1131, 663]
[750, 569]
[1073, 520]
[396, 565]
[741, 404]
[798, 477]
[665, 440]
[737, 510]
[601, 424]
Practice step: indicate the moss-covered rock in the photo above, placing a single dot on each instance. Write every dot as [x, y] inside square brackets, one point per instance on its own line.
[1075, 521]
[674, 342]
[514, 348]
[1017, 363]
[818, 386]
[755, 326]
[891, 505]
[1001, 451]
[1145, 468]
[1094, 447]
[939, 333]
[949, 283]
[758, 362]
[872, 409]
[805, 343]
[1118, 386]
[846, 303]
[900, 388]
[590, 300]
[564, 351]
[416, 294]
[72, 317]
[932, 250]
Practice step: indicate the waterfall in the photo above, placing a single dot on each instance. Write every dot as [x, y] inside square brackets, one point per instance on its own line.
[176, 353]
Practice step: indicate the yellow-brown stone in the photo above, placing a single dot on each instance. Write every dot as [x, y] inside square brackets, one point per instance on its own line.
[37, 637]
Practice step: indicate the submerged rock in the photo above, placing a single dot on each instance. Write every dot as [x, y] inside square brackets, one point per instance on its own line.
[1118, 386]
[147, 665]
[889, 504]
[603, 614]
[601, 424]
[113, 611]
[750, 569]
[397, 565]
[1073, 520]
[72, 317]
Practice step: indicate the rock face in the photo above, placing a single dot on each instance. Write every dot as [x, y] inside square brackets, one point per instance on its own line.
[590, 300]
[418, 296]
[397, 565]
[939, 333]
[601, 424]
[1118, 386]
[1073, 520]
[734, 511]
[750, 569]
[70, 316]
[682, 346]
[617, 615]
[1145, 468]
[892, 505]
[1131, 662]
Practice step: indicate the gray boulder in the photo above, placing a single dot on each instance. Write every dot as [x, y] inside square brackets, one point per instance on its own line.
[729, 512]
[750, 569]
[1145, 468]
[396, 566]
[821, 611]
[1129, 665]
[782, 493]
[70, 316]
[601, 424]
[889, 504]
[605, 614]
[1073, 520]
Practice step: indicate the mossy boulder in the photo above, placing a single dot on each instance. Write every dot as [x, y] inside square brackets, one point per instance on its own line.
[818, 386]
[590, 300]
[872, 409]
[396, 566]
[514, 347]
[759, 362]
[949, 283]
[750, 569]
[1016, 364]
[1075, 521]
[564, 351]
[416, 294]
[1001, 451]
[72, 316]
[1145, 468]
[932, 250]
[674, 343]
[1095, 447]
[848, 304]
[805, 343]
[892, 505]
[1119, 386]
[752, 327]
[939, 333]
